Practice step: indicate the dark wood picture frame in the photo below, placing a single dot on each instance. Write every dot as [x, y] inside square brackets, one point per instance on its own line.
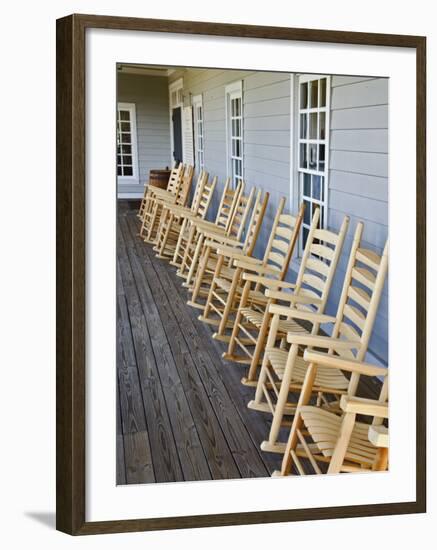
[70, 236]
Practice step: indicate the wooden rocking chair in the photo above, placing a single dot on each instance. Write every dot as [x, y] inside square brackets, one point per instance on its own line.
[186, 242]
[227, 283]
[151, 191]
[174, 216]
[309, 293]
[163, 197]
[212, 264]
[333, 443]
[203, 231]
[283, 372]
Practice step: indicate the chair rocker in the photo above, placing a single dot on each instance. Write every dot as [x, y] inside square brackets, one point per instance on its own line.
[283, 372]
[332, 443]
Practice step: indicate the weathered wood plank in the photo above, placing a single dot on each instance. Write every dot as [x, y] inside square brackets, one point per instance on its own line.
[120, 474]
[138, 458]
[189, 450]
[132, 410]
[236, 433]
[214, 444]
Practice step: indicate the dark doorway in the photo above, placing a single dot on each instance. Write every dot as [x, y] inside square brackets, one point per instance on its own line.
[177, 134]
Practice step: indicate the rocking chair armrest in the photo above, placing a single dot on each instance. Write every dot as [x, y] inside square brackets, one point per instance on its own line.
[257, 266]
[335, 362]
[316, 341]
[163, 194]
[291, 297]
[361, 405]
[206, 225]
[265, 281]
[378, 436]
[230, 251]
[216, 239]
[294, 313]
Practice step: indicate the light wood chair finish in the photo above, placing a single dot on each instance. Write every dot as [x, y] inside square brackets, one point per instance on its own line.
[226, 287]
[225, 275]
[234, 230]
[187, 239]
[163, 197]
[334, 443]
[151, 192]
[283, 372]
[253, 318]
[174, 216]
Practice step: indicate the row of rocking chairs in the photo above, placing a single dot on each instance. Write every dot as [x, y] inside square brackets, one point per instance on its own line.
[306, 378]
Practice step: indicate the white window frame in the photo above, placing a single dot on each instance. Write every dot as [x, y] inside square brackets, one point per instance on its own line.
[199, 132]
[129, 180]
[175, 100]
[234, 91]
[297, 141]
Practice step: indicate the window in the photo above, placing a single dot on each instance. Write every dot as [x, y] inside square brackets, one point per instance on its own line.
[313, 146]
[234, 123]
[198, 132]
[126, 142]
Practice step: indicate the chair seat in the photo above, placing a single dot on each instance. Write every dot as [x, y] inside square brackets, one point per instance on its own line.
[285, 325]
[325, 377]
[324, 428]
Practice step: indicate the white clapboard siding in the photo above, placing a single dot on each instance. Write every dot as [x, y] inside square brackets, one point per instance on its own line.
[150, 96]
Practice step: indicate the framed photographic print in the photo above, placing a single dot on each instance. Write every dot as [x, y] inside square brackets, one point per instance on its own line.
[241, 240]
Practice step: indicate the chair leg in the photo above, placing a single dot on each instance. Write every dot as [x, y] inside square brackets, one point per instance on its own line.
[203, 264]
[272, 443]
[196, 255]
[179, 243]
[260, 346]
[209, 299]
[304, 399]
[229, 302]
[337, 458]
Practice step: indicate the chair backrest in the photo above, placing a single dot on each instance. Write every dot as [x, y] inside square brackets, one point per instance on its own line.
[282, 240]
[319, 263]
[254, 227]
[227, 204]
[237, 221]
[200, 185]
[183, 190]
[175, 179]
[361, 294]
[206, 197]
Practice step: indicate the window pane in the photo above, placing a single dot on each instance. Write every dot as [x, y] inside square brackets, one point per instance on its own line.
[305, 236]
[312, 156]
[307, 185]
[118, 159]
[125, 126]
[303, 155]
[317, 181]
[126, 138]
[128, 171]
[238, 148]
[232, 107]
[126, 149]
[322, 124]
[303, 126]
[313, 126]
[307, 213]
[119, 171]
[323, 92]
[314, 87]
[238, 128]
[304, 95]
[321, 158]
[127, 159]
[124, 115]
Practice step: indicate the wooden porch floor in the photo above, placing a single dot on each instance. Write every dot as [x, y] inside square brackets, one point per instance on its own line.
[181, 410]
